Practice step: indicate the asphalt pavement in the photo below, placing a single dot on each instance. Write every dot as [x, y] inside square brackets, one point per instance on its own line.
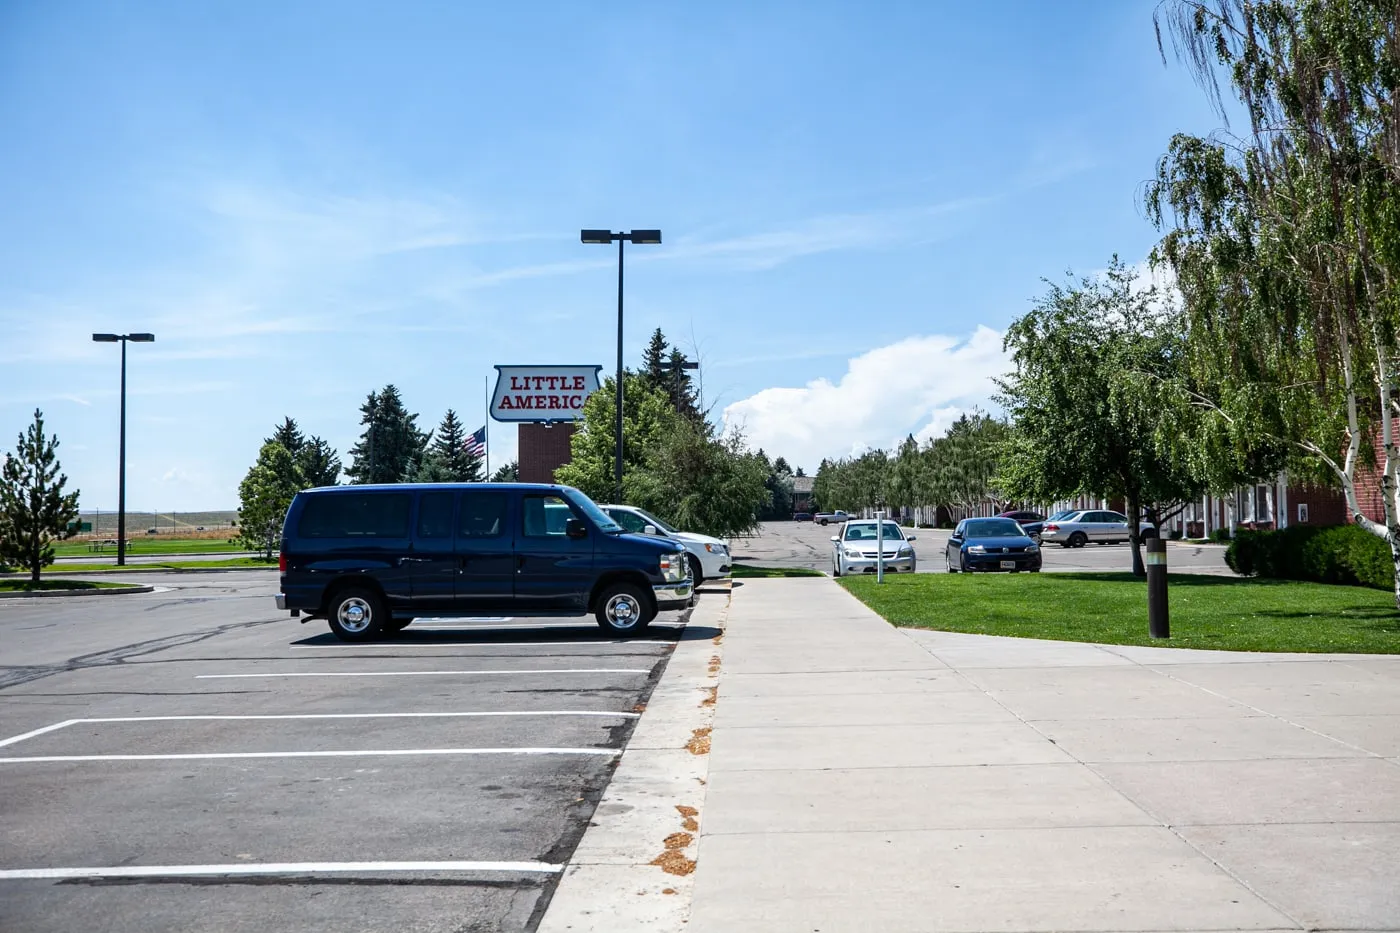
[805, 544]
[193, 759]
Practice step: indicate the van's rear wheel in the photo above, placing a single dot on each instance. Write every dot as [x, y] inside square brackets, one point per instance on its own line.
[623, 609]
[357, 614]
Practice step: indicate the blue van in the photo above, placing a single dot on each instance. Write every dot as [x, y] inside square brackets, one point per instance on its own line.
[369, 559]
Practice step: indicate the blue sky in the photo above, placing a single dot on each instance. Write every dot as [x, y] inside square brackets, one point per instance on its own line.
[305, 201]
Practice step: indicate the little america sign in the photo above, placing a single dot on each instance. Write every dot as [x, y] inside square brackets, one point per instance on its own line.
[542, 393]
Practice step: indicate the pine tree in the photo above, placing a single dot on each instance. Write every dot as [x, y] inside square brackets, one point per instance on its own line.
[679, 386]
[34, 510]
[288, 435]
[654, 358]
[447, 459]
[391, 448]
[510, 473]
[319, 463]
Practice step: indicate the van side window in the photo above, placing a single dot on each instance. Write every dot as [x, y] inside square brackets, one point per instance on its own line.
[545, 516]
[355, 515]
[435, 514]
[483, 515]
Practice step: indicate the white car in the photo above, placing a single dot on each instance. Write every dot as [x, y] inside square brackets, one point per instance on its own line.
[857, 548]
[709, 557]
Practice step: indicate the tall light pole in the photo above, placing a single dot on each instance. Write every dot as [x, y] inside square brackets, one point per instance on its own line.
[607, 236]
[121, 457]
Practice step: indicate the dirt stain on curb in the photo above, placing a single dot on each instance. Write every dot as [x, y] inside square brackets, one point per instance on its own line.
[688, 815]
[713, 695]
[699, 743]
[673, 861]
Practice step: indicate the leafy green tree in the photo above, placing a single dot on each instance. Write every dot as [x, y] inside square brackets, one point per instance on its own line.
[703, 483]
[447, 459]
[34, 509]
[391, 448]
[264, 496]
[1082, 403]
[1286, 243]
[647, 417]
[508, 473]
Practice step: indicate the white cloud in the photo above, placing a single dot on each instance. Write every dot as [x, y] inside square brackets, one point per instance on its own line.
[918, 385]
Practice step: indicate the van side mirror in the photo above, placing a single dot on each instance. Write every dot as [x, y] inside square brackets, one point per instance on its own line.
[574, 528]
[836, 537]
[649, 530]
[911, 537]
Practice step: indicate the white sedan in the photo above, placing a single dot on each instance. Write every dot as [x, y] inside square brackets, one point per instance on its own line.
[709, 557]
[857, 548]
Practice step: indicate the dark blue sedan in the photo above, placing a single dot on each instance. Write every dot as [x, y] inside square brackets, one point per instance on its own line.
[991, 544]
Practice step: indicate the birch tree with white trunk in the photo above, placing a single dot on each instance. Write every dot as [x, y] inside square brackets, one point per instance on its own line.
[1285, 239]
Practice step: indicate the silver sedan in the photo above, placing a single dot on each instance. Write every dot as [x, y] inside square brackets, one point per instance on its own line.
[1077, 529]
[857, 549]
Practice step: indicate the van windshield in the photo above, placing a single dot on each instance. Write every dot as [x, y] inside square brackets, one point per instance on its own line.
[596, 515]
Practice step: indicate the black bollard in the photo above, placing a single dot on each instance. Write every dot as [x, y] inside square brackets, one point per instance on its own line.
[1158, 623]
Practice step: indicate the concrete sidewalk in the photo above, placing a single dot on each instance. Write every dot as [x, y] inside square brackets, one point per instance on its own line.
[867, 778]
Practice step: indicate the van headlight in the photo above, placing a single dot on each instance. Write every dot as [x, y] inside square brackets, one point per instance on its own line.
[673, 567]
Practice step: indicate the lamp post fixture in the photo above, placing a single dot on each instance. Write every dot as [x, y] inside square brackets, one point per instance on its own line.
[604, 237]
[121, 457]
[676, 366]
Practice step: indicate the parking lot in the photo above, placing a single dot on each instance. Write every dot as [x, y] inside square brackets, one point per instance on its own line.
[192, 759]
[806, 544]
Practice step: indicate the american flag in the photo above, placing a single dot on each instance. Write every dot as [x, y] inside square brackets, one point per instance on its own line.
[476, 444]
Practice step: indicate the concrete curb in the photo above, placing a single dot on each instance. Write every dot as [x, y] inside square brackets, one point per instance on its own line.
[105, 592]
[633, 869]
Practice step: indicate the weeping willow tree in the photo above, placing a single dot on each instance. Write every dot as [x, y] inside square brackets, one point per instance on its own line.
[1285, 239]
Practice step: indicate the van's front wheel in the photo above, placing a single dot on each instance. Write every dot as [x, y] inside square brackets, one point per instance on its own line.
[623, 609]
[357, 614]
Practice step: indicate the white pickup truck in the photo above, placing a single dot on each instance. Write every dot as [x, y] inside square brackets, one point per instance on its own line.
[826, 518]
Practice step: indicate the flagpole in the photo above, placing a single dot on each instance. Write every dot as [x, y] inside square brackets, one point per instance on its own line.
[487, 445]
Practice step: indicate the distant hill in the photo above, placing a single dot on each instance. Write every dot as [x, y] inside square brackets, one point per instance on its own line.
[165, 522]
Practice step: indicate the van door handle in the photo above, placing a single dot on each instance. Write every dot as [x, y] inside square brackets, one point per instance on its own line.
[415, 560]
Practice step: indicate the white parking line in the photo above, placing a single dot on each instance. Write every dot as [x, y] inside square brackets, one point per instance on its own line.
[276, 868]
[394, 645]
[557, 670]
[355, 753]
[604, 714]
[29, 735]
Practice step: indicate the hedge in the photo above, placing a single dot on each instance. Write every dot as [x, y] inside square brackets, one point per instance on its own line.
[1342, 554]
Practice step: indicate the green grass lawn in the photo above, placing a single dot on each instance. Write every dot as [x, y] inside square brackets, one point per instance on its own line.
[25, 586]
[1223, 613]
[744, 570]
[145, 566]
[154, 544]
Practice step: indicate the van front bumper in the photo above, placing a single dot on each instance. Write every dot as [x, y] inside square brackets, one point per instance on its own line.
[673, 595]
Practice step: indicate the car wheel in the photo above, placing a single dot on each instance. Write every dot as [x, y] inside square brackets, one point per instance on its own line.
[356, 614]
[697, 573]
[962, 562]
[1078, 539]
[835, 567]
[623, 609]
[823, 521]
[948, 563]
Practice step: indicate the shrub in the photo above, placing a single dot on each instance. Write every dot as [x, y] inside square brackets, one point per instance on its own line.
[1220, 535]
[1343, 554]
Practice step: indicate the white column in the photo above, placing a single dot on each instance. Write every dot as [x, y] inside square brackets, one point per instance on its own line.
[1205, 516]
[1281, 518]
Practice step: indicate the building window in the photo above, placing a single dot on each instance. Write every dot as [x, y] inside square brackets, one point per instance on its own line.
[1302, 512]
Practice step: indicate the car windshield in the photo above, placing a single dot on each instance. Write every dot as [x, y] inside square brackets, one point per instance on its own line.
[653, 520]
[590, 508]
[993, 528]
[1060, 515]
[868, 532]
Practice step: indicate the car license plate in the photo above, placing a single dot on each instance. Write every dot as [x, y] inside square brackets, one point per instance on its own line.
[1008, 565]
